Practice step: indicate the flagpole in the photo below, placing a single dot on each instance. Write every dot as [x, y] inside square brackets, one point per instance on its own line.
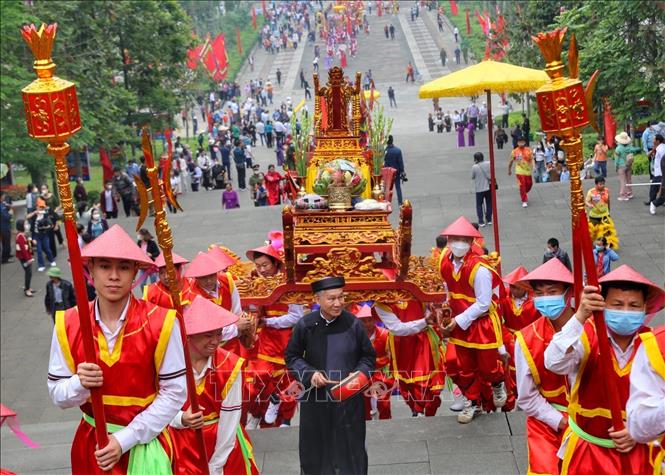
[495, 208]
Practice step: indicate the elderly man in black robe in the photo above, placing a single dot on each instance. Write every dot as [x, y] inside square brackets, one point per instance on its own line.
[326, 346]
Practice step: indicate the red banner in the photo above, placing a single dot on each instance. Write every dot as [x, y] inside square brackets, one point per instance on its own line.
[214, 58]
[238, 41]
[453, 8]
[609, 123]
[107, 167]
[194, 57]
[265, 11]
[468, 23]
[254, 18]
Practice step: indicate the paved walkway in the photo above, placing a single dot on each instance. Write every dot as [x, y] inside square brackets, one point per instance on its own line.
[439, 188]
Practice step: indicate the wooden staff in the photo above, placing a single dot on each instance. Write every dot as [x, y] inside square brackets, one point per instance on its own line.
[165, 241]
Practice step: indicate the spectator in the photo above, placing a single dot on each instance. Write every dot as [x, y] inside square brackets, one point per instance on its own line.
[240, 163]
[500, 137]
[598, 201]
[517, 134]
[623, 159]
[230, 197]
[480, 174]
[31, 198]
[391, 97]
[24, 255]
[225, 151]
[444, 56]
[196, 176]
[6, 214]
[600, 157]
[59, 293]
[148, 245]
[564, 176]
[43, 225]
[456, 33]
[260, 193]
[540, 170]
[97, 224]
[553, 250]
[108, 201]
[80, 196]
[458, 53]
[393, 158]
[656, 193]
[133, 169]
[123, 186]
[254, 180]
[603, 256]
[523, 158]
[526, 129]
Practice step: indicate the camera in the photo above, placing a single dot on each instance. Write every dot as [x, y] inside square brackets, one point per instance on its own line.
[403, 177]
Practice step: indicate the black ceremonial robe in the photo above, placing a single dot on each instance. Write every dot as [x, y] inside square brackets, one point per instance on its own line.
[332, 435]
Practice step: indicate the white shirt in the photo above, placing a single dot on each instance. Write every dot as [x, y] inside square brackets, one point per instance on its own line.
[482, 288]
[66, 390]
[229, 418]
[278, 126]
[108, 200]
[287, 320]
[660, 154]
[396, 326]
[646, 404]
[529, 398]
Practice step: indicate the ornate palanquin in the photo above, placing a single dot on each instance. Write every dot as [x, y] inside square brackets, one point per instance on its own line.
[362, 246]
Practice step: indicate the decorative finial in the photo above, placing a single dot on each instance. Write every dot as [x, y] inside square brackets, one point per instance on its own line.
[551, 44]
[41, 44]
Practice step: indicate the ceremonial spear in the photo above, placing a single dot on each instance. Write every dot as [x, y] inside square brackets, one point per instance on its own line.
[52, 116]
[565, 108]
[153, 195]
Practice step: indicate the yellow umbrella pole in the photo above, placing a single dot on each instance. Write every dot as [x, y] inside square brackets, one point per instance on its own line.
[495, 211]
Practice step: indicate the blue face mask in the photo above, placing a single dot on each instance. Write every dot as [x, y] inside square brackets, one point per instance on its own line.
[600, 248]
[624, 322]
[550, 306]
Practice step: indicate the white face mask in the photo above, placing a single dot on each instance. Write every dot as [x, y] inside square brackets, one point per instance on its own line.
[459, 248]
[95, 216]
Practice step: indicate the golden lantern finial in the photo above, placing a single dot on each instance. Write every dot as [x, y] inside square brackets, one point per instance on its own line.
[551, 44]
[41, 44]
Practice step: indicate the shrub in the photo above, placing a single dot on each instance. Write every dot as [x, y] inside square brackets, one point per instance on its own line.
[15, 192]
[641, 165]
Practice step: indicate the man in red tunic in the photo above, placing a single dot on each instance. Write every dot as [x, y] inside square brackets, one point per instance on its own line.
[542, 394]
[273, 179]
[517, 306]
[141, 365]
[158, 293]
[219, 376]
[377, 401]
[591, 445]
[269, 380]
[475, 329]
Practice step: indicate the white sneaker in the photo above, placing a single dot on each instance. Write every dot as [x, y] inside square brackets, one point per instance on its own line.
[482, 225]
[374, 415]
[41, 269]
[525, 204]
[652, 208]
[499, 395]
[459, 402]
[252, 422]
[468, 413]
[53, 264]
[271, 413]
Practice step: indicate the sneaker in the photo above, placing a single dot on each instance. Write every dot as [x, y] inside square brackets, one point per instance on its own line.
[53, 264]
[271, 413]
[499, 395]
[525, 204]
[622, 198]
[459, 402]
[489, 223]
[482, 225]
[252, 422]
[374, 414]
[652, 208]
[470, 411]
[285, 424]
[41, 269]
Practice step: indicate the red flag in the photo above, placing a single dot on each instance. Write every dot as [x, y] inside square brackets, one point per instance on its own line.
[324, 114]
[453, 8]
[210, 121]
[254, 18]
[349, 28]
[214, 58]
[194, 57]
[107, 167]
[610, 124]
[468, 23]
[238, 40]
[379, 9]
[168, 133]
[265, 10]
[371, 95]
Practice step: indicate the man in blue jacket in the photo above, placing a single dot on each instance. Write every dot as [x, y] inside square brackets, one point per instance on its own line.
[393, 159]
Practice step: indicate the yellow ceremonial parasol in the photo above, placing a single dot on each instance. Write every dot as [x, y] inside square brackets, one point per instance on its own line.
[487, 76]
[368, 94]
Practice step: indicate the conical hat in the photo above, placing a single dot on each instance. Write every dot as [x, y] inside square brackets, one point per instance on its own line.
[177, 260]
[224, 259]
[625, 273]
[361, 310]
[518, 273]
[203, 264]
[115, 243]
[266, 250]
[461, 227]
[202, 316]
[553, 270]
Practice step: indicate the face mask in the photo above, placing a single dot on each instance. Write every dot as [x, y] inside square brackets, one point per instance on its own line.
[550, 306]
[624, 322]
[95, 217]
[459, 248]
[600, 248]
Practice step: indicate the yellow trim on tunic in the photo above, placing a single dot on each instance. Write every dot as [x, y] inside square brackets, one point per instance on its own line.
[61, 333]
[164, 337]
[232, 378]
[111, 400]
[396, 372]
[271, 359]
[145, 292]
[653, 353]
[529, 359]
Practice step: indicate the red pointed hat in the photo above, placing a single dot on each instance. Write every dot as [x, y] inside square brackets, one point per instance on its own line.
[265, 250]
[553, 270]
[224, 259]
[518, 273]
[625, 273]
[202, 316]
[177, 260]
[461, 227]
[203, 264]
[362, 311]
[115, 243]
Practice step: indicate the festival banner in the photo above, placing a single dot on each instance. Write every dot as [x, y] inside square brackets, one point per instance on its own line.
[453, 8]
[215, 59]
[254, 18]
[468, 23]
[239, 43]
[609, 123]
[106, 165]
